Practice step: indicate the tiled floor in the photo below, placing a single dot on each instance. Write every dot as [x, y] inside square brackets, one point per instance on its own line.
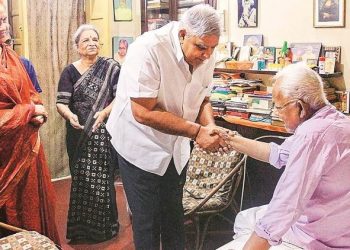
[124, 240]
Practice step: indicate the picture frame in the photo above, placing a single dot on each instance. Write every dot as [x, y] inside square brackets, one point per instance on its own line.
[247, 13]
[122, 10]
[305, 51]
[253, 40]
[332, 51]
[120, 47]
[329, 13]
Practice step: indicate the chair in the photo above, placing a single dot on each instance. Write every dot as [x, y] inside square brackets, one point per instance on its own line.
[211, 183]
[273, 176]
[23, 239]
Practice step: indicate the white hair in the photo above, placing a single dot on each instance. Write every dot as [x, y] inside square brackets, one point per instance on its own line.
[201, 20]
[81, 29]
[298, 81]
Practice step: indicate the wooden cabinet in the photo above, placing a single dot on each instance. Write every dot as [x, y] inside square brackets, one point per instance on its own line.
[156, 13]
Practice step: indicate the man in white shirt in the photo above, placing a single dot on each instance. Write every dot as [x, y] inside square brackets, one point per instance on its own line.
[162, 103]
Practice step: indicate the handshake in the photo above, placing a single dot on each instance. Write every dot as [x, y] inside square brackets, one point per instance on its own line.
[213, 138]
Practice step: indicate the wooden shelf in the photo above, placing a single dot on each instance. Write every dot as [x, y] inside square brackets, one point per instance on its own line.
[259, 125]
[268, 72]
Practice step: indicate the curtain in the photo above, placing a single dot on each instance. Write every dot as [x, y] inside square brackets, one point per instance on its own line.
[51, 25]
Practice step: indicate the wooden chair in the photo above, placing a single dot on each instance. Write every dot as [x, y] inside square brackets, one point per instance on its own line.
[211, 183]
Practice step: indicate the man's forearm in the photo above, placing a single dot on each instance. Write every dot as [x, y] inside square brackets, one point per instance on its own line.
[165, 121]
[205, 115]
[255, 149]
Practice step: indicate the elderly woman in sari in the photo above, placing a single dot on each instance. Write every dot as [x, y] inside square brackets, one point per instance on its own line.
[85, 93]
[26, 192]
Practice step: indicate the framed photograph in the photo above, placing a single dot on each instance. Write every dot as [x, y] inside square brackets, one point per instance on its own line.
[269, 53]
[306, 52]
[253, 40]
[331, 51]
[122, 10]
[329, 13]
[120, 47]
[247, 13]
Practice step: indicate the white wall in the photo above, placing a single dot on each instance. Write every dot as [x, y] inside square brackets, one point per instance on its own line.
[291, 21]
[128, 29]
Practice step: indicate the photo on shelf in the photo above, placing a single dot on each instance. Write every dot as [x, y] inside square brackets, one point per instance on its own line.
[120, 47]
[247, 13]
[329, 13]
[331, 51]
[122, 10]
[269, 53]
[305, 52]
[253, 40]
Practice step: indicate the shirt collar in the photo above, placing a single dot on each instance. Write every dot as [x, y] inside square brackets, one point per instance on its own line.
[176, 41]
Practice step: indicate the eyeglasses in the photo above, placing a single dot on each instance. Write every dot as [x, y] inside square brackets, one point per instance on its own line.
[9, 42]
[280, 108]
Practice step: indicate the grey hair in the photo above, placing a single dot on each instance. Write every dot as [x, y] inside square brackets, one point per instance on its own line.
[298, 81]
[81, 29]
[201, 20]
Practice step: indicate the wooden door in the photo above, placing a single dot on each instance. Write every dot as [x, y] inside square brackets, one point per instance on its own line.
[18, 21]
[98, 13]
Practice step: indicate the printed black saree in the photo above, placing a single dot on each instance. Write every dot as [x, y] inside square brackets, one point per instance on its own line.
[92, 214]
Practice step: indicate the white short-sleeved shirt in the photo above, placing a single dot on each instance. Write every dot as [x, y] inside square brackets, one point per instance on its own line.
[155, 67]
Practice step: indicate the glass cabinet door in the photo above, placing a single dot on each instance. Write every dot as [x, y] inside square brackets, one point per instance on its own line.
[155, 14]
[183, 5]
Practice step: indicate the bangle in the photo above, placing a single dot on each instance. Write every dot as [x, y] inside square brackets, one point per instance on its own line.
[199, 129]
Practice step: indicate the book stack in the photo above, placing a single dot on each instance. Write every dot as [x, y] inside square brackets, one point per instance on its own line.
[260, 106]
[237, 106]
[219, 94]
[242, 86]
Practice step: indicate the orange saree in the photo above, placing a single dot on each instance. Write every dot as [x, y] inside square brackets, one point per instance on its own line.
[26, 193]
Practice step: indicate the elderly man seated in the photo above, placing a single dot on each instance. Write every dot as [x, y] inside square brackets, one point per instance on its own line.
[310, 207]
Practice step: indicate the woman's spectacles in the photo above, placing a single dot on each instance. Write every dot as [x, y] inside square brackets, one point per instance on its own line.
[9, 42]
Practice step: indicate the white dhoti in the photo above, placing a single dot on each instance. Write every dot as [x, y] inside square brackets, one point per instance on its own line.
[244, 226]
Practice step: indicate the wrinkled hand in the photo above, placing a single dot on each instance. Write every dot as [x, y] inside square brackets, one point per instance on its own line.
[40, 110]
[100, 118]
[227, 135]
[209, 139]
[38, 120]
[74, 121]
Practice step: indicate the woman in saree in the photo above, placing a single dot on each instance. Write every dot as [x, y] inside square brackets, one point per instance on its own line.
[26, 193]
[85, 93]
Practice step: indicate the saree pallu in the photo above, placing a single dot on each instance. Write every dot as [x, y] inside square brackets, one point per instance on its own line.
[92, 212]
[26, 193]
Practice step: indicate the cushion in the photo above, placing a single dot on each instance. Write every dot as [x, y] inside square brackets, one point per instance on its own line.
[205, 171]
[28, 240]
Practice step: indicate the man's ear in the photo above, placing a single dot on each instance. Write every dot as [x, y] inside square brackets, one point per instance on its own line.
[182, 33]
[303, 110]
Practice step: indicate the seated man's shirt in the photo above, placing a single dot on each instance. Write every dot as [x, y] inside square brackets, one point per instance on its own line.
[312, 197]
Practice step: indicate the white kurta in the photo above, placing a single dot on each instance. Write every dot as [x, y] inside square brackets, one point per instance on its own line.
[155, 68]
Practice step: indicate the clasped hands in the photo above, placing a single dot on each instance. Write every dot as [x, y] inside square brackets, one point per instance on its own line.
[40, 115]
[215, 139]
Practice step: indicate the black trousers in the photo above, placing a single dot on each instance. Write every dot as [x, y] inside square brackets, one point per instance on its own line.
[156, 205]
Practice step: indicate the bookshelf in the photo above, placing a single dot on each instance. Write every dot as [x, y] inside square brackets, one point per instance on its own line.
[268, 72]
[253, 124]
[259, 125]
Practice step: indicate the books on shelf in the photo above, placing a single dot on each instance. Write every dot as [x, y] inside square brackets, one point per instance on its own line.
[344, 99]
